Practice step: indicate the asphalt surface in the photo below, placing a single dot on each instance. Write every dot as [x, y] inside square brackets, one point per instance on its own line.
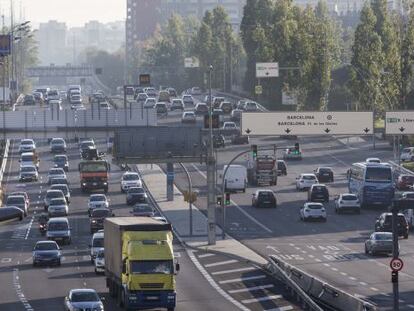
[332, 251]
[44, 288]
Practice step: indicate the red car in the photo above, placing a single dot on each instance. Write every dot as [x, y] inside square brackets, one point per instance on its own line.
[405, 182]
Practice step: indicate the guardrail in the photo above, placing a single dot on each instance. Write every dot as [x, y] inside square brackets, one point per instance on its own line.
[310, 289]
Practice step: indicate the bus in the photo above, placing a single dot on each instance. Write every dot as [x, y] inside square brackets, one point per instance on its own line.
[372, 182]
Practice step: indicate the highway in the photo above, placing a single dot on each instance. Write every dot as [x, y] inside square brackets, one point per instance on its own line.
[44, 288]
[332, 251]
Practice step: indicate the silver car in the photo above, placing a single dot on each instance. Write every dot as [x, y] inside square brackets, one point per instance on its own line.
[58, 207]
[97, 201]
[83, 299]
[379, 242]
[55, 172]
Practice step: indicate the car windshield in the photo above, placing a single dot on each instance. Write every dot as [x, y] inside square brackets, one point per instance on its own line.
[408, 179]
[130, 177]
[98, 242]
[319, 188]
[266, 195]
[46, 246]
[56, 172]
[100, 213]
[349, 197]
[136, 190]
[58, 141]
[383, 237]
[97, 198]
[84, 297]
[324, 170]
[152, 267]
[308, 177]
[406, 150]
[60, 159]
[27, 158]
[28, 169]
[409, 195]
[26, 142]
[54, 194]
[57, 226]
[142, 208]
[61, 188]
[314, 206]
[15, 200]
[381, 174]
[100, 255]
[58, 201]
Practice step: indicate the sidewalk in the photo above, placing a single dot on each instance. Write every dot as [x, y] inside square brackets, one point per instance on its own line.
[177, 213]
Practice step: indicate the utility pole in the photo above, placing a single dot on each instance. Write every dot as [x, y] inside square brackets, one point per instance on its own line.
[211, 173]
[395, 254]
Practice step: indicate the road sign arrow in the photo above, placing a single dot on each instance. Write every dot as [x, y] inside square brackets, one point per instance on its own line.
[248, 131]
[366, 130]
[402, 129]
[327, 130]
[287, 130]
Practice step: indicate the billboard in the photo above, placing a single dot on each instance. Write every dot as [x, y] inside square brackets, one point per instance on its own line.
[399, 122]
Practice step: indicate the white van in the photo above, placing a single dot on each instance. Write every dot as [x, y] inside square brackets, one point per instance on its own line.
[236, 178]
[97, 243]
[29, 158]
[409, 216]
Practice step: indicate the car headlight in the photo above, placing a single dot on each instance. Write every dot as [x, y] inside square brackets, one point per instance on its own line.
[94, 221]
[84, 184]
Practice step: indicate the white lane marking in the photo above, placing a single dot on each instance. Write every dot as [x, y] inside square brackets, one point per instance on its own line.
[213, 283]
[6, 260]
[410, 306]
[344, 274]
[318, 260]
[28, 229]
[326, 264]
[206, 255]
[352, 278]
[334, 269]
[265, 298]
[285, 308]
[247, 278]
[233, 271]
[250, 289]
[363, 283]
[239, 208]
[374, 289]
[19, 291]
[220, 263]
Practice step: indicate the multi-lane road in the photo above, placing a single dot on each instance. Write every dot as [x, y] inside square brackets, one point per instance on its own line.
[332, 251]
[44, 288]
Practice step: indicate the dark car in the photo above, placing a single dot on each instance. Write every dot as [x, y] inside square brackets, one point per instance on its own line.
[324, 174]
[318, 193]
[57, 145]
[405, 182]
[281, 168]
[226, 106]
[384, 224]
[58, 181]
[97, 218]
[11, 212]
[29, 100]
[143, 210]
[136, 195]
[264, 198]
[161, 108]
[61, 161]
[239, 139]
[201, 109]
[218, 141]
[46, 252]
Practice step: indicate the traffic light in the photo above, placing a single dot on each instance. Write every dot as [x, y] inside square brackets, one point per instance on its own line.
[254, 151]
[227, 202]
[219, 201]
[394, 276]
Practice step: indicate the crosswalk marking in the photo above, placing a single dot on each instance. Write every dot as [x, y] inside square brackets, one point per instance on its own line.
[206, 255]
[234, 270]
[247, 278]
[220, 263]
[265, 298]
[250, 289]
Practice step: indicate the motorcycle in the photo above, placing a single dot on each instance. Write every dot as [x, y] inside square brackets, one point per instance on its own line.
[43, 219]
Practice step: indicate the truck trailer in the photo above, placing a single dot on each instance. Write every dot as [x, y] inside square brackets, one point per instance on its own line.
[139, 262]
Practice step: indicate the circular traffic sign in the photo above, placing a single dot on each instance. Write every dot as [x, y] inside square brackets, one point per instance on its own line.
[396, 264]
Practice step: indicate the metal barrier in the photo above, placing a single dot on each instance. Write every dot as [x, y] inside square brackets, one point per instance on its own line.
[311, 289]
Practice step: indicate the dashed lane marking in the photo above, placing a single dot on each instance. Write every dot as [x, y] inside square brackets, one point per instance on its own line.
[220, 263]
[374, 289]
[250, 289]
[19, 291]
[363, 283]
[352, 278]
[285, 308]
[234, 270]
[28, 229]
[260, 299]
[244, 279]
[6, 260]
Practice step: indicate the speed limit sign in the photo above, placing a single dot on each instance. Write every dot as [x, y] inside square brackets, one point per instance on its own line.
[396, 264]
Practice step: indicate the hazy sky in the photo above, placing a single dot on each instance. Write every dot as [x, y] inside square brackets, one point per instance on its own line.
[73, 12]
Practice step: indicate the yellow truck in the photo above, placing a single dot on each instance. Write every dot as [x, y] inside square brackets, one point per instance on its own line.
[139, 262]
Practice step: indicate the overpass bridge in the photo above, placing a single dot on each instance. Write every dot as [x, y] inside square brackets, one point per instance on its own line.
[67, 123]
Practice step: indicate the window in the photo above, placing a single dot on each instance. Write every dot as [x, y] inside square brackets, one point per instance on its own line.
[152, 267]
[383, 174]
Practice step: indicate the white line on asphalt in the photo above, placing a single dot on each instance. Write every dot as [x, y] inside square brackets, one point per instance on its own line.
[352, 278]
[234, 270]
[265, 298]
[326, 264]
[318, 260]
[311, 256]
[28, 229]
[206, 255]
[250, 289]
[285, 308]
[410, 306]
[220, 263]
[6, 260]
[344, 273]
[334, 269]
[247, 278]
[213, 283]
[238, 207]
[374, 289]
[363, 283]
[19, 291]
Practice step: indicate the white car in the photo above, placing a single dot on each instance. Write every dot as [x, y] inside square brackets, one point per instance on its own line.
[188, 117]
[55, 172]
[83, 299]
[130, 179]
[27, 145]
[97, 201]
[346, 202]
[305, 181]
[188, 100]
[373, 160]
[407, 154]
[229, 126]
[311, 210]
[100, 261]
[177, 104]
[150, 102]
[196, 90]
[58, 207]
[250, 107]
